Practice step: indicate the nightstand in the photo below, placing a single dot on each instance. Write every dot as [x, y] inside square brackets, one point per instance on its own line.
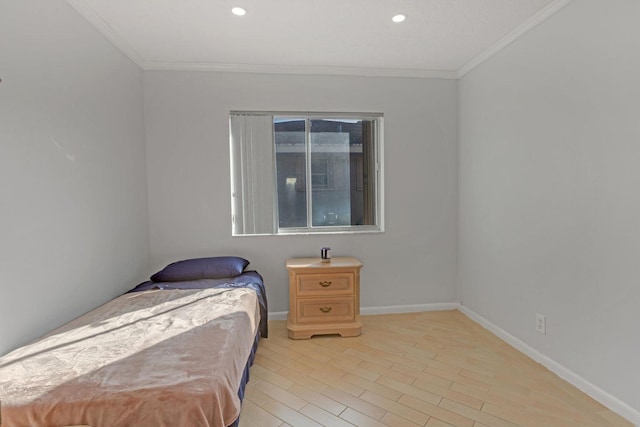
[324, 298]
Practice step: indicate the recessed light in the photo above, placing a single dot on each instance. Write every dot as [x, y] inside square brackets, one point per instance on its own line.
[399, 18]
[239, 11]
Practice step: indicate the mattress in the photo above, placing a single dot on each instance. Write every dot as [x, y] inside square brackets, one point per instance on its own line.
[158, 357]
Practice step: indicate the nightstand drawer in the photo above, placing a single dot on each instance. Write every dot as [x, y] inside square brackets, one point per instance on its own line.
[325, 310]
[322, 284]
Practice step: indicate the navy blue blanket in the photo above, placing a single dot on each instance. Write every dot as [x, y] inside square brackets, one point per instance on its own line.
[248, 279]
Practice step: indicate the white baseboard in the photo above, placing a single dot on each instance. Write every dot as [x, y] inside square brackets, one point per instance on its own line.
[415, 308]
[611, 402]
[392, 309]
[278, 315]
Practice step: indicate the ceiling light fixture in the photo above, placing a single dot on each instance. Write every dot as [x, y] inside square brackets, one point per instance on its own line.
[239, 11]
[399, 18]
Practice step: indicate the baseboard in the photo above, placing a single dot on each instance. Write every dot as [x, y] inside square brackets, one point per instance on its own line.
[278, 315]
[414, 308]
[611, 402]
[392, 309]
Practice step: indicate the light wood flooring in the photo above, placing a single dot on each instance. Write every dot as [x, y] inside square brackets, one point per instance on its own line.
[430, 369]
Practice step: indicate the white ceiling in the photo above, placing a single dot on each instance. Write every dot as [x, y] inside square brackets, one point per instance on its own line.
[440, 38]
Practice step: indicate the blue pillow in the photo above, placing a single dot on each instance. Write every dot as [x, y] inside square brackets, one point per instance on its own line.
[201, 268]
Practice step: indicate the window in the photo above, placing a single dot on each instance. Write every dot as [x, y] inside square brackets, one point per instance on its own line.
[300, 174]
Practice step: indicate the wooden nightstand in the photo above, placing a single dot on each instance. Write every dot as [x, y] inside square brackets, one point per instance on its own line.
[324, 298]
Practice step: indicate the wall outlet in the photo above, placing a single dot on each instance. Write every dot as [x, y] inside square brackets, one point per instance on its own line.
[541, 323]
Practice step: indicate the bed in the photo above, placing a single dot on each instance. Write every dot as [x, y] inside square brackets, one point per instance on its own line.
[169, 353]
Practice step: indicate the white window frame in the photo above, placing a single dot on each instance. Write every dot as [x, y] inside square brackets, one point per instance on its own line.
[378, 174]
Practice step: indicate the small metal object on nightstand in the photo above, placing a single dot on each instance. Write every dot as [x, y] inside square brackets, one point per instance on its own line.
[325, 254]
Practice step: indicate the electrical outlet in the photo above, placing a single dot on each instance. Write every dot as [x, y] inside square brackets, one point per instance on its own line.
[541, 323]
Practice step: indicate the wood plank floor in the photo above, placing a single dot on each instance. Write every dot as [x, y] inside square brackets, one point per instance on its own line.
[431, 369]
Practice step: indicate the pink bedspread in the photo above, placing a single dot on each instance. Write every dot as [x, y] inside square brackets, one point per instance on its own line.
[171, 358]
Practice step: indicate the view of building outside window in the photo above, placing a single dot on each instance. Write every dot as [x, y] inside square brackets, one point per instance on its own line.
[338, 171]
[293, 173]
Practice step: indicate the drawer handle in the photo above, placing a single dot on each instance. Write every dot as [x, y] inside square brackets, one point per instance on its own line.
[325, 309]
[325, 284]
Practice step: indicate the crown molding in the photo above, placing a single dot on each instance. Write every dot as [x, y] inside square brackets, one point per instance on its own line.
[298, 69]
[528, 25]
[87, 12]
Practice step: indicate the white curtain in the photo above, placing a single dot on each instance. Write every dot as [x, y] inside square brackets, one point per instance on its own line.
[253, 174]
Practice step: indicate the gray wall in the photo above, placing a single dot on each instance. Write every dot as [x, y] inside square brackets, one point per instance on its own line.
[549, 191]
[413, 262]
[73, 210]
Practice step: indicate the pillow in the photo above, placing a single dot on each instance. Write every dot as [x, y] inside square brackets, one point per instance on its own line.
[201, 268]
